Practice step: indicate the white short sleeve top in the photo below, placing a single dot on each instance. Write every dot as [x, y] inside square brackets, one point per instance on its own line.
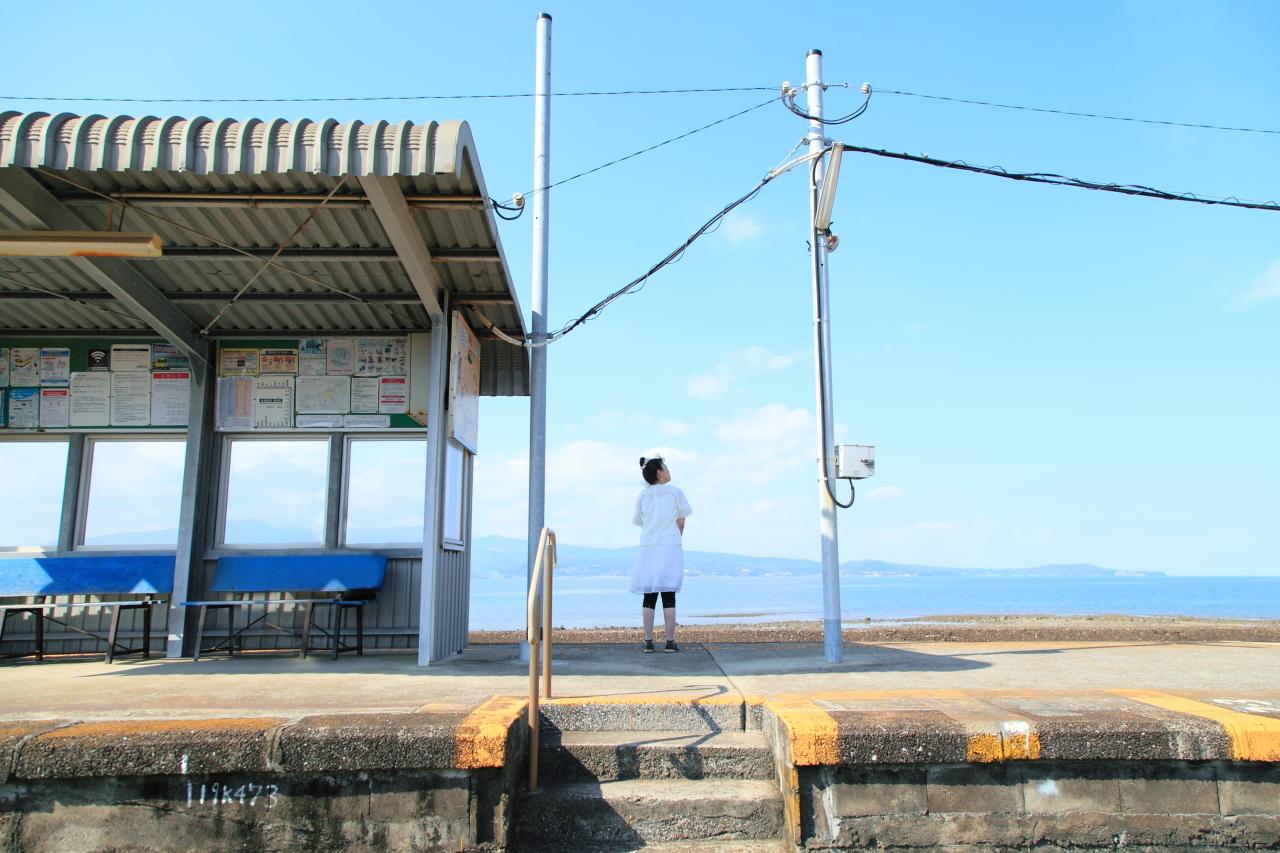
[657, 508]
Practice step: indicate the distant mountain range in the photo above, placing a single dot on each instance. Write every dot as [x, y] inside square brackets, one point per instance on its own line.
[500, 556]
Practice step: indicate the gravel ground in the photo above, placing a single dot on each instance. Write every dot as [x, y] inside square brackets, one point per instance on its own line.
[948, 628]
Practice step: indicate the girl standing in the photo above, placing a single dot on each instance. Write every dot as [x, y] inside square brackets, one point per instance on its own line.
[659, 569]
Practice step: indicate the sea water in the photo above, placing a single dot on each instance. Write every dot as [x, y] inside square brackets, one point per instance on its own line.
[498, 603]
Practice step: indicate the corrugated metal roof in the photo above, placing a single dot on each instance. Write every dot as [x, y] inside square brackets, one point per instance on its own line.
[216, 190]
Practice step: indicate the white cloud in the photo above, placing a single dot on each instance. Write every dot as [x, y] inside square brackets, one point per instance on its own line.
[884, 493]
[753, 358]
[741, 228]
[710, 384]
[1264, 288]
[763, 359]
[673, 429]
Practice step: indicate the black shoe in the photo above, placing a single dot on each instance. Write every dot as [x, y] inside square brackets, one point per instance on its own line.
[648, 647]
[671, 646]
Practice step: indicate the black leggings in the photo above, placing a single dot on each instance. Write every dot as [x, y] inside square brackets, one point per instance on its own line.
[651, 599]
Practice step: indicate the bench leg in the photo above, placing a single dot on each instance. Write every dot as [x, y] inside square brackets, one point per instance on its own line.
[335, 625]
[39, 614]
[360, 630]
[146, 631]
[111, 634]
[307, 615]
[200, 615]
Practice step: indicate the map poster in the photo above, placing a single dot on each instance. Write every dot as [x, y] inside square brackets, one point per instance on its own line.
[364, 394]
[170, 397]
[278, 361]
[238, 362]
[393, 395]
[131, 358]
[273, 403]
[90, 399]
[24, 408]
[324, 395]
[55, 366]
[464, 384]
[311, 357]
[24, 366]
[340, 356]
[235, 403]
[130, 398]
[55, 408]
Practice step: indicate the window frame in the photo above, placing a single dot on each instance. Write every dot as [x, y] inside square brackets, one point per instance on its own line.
[219, 543]
[343, 508]
[59, 534]
[464, 497]
[85, 484]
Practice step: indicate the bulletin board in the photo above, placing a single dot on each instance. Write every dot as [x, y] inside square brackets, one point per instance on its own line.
[87, 384]
[321, 383]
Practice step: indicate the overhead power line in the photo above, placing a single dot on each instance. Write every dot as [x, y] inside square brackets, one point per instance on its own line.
[366, 98]
[1070, 112]
[1063, 181]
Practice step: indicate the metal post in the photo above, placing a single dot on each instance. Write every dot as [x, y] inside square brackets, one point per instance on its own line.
[538, 355]
[832, 642]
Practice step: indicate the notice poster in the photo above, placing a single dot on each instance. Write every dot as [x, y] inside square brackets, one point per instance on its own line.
[55, 366]
[366, 421]
[131, 358]
[4, 409]
[464, 385]
[130, 398]
[273, 402]
[90, 399]
[324, 395]
[235, 403]
[24, 366]
[340, 356]
[4, 367]
[382, 357]
[166, 357]
[55, 408]
[99, 358]
[24, 408]
[238, 362]
[311, 357]
[170, 397]
[364, 394]
[319, 421]
[278, 361]
[393, 395]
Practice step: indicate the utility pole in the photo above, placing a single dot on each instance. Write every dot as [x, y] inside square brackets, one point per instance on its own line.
[832, 637]
[538, 353]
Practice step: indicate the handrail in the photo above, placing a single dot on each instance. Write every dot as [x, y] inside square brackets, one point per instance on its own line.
[539, 632]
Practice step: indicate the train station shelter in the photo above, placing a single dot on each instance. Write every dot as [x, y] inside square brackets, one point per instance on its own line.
[227, 339]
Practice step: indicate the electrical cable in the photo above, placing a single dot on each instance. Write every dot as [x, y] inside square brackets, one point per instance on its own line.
[652, 147]
[410, 322]
[1063, 181]
[367, 98]
[81, 302]
[789, 94]
[1069, 112]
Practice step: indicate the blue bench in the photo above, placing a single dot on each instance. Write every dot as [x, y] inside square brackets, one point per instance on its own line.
[341, 582]
[42, 578]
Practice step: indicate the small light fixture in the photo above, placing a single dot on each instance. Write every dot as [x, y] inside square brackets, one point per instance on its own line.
[827, 195]
[79, 244]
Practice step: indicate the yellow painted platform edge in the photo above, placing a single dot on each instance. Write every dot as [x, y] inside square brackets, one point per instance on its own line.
[1253, 737]
[813, 734]
[480, 740]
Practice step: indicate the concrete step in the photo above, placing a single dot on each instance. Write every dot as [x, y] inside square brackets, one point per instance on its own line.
[614, 756]
[639, 812]
[716, 713]
[739, 846]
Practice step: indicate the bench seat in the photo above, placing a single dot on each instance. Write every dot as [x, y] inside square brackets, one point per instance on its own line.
[340, 582]
[148, 577]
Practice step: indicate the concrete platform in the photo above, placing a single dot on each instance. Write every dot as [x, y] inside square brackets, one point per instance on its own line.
[376, 751]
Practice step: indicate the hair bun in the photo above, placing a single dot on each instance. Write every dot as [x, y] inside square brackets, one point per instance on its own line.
[642, 461]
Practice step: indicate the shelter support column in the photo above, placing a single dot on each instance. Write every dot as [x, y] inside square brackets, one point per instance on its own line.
[437, 435]
[199, 488]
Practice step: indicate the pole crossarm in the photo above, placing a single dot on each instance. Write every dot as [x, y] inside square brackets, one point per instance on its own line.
[37, 208]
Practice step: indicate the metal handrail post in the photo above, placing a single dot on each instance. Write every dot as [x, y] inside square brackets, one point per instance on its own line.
[543, 563]
[548, 568]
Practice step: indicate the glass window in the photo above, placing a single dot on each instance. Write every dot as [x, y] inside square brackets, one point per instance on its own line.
[134, 491]
[455, 462]
[386, 487]
[276, 491]
[32, 474]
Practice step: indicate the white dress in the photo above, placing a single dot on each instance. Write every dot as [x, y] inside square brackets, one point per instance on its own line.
[659, 563]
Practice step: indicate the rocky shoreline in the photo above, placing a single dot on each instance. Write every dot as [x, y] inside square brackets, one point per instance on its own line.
[974, 628]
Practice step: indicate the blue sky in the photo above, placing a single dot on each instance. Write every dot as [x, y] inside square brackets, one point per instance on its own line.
[1049, 374]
